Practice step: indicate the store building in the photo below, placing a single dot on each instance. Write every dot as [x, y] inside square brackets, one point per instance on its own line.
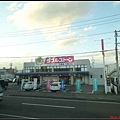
[62, 67]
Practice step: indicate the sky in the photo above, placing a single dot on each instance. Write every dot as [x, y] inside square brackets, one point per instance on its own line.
[30, 29]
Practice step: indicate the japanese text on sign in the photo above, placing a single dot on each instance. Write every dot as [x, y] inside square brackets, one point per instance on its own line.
[62, 59]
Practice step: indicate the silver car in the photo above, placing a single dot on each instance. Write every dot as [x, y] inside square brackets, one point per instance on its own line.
[56, 86]
[30, 86]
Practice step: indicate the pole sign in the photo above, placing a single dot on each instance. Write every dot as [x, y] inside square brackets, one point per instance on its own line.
[102, 44]
[95, 84]
[39, 61]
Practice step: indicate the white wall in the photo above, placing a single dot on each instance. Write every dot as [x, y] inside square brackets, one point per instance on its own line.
[96, 73]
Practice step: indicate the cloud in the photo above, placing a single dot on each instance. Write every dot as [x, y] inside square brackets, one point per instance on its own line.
[89, 28]
[51, 19]
[67, 41]
[116, 3]
[43, 14]
[14, 6]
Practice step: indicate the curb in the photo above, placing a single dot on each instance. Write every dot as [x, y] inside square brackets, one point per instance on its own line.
[63, 95]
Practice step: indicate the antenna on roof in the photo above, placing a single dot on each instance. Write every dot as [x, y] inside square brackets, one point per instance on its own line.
[93, 61]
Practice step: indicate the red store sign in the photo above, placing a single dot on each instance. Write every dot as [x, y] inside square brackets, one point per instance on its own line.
[62, 59]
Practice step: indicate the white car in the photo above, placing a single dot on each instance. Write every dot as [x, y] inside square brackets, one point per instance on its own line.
[1, 93]
[56, 86]
[30, 86]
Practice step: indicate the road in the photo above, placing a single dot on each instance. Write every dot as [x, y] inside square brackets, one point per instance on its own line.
[30, 107]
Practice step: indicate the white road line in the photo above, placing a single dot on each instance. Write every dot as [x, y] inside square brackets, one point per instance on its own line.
[48, 105]
[102, 102]
[17, 116]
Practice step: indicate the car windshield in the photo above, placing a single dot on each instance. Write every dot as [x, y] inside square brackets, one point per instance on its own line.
[54, 84]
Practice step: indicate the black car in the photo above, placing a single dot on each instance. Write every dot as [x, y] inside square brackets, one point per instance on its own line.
[4, 84]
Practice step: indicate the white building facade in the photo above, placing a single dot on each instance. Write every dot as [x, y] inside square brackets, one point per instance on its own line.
[63, 67]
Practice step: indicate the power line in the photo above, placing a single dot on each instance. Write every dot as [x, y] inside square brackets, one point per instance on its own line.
[66, 24]
[60, 54]
[36, 33]
[12, 34]
[55, 40]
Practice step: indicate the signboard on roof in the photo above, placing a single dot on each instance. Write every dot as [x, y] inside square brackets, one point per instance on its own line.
[60, 59]
[39, 61]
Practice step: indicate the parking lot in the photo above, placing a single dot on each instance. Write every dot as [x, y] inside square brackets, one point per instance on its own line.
[13, 87]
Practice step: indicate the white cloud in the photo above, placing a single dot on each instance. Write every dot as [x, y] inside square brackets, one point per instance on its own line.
[116, 3]
[14, 6]
[43, 14]
[67, 41]
[47, 15]
[89, 28]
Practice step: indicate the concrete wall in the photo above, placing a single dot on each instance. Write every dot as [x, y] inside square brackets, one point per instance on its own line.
[86, 79]
[96, 73]
[83, 62]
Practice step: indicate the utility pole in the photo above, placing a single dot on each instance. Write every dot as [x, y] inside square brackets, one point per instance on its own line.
[116, 52]
[105, 81]
[93, 61]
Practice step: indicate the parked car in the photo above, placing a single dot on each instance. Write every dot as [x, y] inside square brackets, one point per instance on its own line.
[1, 93]
[14, 80]
[56, 86]
[4, 84]
[30, 86]
[9, 79]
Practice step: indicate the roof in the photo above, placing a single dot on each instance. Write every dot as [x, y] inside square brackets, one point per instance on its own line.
[54, 73]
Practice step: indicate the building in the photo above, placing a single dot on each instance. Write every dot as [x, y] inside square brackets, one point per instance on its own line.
[7, 73]
[62, 67]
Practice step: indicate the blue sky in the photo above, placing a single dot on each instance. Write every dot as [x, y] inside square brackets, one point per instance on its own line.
[31, 29]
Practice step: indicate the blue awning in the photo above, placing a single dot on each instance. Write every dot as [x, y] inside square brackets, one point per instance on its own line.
[54, 73]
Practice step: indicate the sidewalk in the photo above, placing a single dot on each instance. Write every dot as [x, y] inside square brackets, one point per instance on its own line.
[70, 93]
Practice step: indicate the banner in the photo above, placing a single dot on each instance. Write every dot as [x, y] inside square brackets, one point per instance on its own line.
[62, 59]
[95, 84]
[35, 83]
[78, 85]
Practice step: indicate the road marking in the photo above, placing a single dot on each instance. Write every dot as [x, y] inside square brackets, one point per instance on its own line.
[48, 105]
[92, 101]
[17, 116]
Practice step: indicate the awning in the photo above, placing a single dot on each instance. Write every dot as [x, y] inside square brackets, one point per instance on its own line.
[54, 73]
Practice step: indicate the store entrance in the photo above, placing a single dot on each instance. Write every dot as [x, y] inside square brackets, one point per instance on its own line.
[66, 78]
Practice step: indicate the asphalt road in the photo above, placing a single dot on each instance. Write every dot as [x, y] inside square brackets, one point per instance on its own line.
[31, 107]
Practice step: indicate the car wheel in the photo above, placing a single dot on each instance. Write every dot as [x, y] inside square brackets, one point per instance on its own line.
[26, 90]
[54, 90]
